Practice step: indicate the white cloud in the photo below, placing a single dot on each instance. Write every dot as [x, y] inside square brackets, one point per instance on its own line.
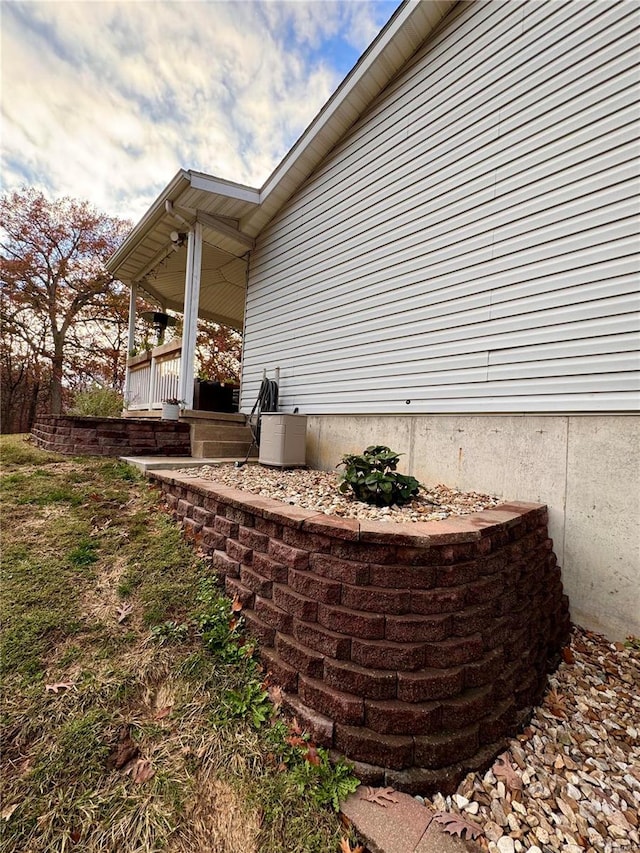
[107, 100]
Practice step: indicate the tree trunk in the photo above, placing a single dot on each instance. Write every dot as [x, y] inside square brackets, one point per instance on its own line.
[56, 378]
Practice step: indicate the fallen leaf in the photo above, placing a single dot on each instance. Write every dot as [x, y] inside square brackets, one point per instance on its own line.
[124, 751]
[567, 655]
[454, 824]
[236, 605]
[276, 695]
[380, 796]
[7, 811]
[294, 727]
[123, 611]
[59, 685]
[296, 740]
[312, 755]
[140, 770]
[163, 712]
[345, 847]
[502, 769]
[557, 704]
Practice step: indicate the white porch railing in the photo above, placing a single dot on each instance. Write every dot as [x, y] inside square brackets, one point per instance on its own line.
[153, 377]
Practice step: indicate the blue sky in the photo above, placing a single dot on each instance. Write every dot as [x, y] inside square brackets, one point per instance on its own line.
[107, 100]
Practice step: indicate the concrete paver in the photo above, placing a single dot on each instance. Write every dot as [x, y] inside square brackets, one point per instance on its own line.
[402, 827]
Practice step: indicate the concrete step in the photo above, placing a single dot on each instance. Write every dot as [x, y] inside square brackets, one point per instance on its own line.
[220, 432]
[221, 449]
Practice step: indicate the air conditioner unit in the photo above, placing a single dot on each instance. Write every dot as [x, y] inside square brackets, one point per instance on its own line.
[283, 440]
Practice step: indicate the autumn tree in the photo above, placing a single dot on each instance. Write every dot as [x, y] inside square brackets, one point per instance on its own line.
[55, 287]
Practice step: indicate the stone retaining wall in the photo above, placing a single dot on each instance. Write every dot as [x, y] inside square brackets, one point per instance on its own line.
[415, 650]
[111, 436]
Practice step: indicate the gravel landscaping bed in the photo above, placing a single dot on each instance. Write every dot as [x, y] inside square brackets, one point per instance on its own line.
[318, 490]
[571, 781]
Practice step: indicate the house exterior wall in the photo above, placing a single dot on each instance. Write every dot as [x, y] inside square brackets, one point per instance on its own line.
[470, 249]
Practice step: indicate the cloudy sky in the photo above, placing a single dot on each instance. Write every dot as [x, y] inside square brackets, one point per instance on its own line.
[107, 100]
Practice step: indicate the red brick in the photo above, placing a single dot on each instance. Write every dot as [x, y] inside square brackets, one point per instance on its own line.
[403, 577]
[485, 670]
[300, 657]
[305, 540]
[184, 508]
[499, 723]
[295, 558]
[191, 529]
[373, 748]
[402, 718]
[287, 515]
[517, 644]
[341, 707]
[201, 516]
[363, 553]
[415, 629]
[319, 589]
[382, 654]
[317, 725]
[239, 516]
[272, 530]
[368, 683]
[298, 605]
[467, 708]
[326, 642]
[225, 565]
[454, 651]
[335, 528]
[345, 571]
[375, 599]
[270, 568]
[497, 633]
[366, 625]
[279, 672]
[440, 750]
[212, 539]
[419, 780]
[427, 685]
[489, 588]
[473, 619]
[456, 574]
[258, 629]
[238, 552]
[260, 585]
[234, 588]
[225, 527]
[273, 615]
[253, 539]
[210, 503]
[437, 600]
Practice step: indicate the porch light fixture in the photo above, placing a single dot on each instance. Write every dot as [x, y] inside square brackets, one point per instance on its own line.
[178, 238]
[160, 320]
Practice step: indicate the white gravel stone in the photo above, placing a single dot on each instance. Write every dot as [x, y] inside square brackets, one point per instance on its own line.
[505, 844]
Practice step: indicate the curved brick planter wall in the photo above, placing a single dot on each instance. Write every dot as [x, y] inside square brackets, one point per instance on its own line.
[415, 650]
[111, 436]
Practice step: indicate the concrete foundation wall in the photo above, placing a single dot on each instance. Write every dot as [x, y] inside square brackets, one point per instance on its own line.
[585, 468]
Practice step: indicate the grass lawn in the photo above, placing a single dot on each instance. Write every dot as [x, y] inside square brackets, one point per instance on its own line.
[134, 716]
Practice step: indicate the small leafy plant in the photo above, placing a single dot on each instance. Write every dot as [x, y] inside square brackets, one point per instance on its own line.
[373, 479]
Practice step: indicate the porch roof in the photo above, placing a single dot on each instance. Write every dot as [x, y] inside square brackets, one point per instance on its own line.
[233, 215]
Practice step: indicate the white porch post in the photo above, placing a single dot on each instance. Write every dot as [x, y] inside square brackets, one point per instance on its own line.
[191, 301]
[131, 339]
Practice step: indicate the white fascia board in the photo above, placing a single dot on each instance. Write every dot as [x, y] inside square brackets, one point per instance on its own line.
[397, 41]
[173, 189]
[211, 184]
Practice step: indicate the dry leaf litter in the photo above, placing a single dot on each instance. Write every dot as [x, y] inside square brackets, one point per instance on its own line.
[318, 490]
[571, 781]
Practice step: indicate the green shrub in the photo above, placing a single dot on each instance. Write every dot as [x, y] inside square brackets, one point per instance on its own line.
[373, 478]
[98, 402]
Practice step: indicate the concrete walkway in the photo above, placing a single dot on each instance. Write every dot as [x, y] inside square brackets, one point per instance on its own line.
[164, 463]
[404, 826]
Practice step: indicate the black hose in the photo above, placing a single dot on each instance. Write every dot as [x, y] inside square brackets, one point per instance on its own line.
[267, 401]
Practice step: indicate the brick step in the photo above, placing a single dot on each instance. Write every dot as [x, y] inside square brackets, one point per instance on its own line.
[220, 449]
[220, 432]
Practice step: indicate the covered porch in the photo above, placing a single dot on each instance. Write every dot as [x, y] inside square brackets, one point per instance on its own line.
[188, 254]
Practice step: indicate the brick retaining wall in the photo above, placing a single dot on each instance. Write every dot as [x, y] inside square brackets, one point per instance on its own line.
[415, 650]
[111, 436]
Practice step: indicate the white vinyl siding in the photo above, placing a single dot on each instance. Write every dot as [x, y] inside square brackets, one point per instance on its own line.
[472, 243]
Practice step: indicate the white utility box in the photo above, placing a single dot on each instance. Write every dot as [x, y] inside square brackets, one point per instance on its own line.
[283, 440]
